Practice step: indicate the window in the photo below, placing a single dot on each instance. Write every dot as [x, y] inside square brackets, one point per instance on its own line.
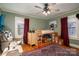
[20, 29]
[72, 28]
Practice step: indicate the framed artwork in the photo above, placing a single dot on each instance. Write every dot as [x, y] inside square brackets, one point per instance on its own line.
[53, 25]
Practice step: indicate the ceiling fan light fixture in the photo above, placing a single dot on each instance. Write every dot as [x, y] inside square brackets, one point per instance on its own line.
[46, 12]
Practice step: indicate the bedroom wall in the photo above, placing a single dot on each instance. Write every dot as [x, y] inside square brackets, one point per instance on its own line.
[9, 22]
[58, 19]
[73, 42]
[34, 23]
[0, 12]
[58, 28]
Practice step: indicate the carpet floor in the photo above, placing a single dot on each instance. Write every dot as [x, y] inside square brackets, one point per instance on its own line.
[52, 50]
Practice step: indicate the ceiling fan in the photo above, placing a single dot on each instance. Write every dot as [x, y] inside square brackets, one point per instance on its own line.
[48, 7]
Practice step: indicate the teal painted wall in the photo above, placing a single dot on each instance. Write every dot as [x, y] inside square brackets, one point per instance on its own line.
[58, 28]
[9, 22]
[58, 19]
[34, 23]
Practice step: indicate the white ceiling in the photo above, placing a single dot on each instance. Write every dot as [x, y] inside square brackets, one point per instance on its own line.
[28, 9]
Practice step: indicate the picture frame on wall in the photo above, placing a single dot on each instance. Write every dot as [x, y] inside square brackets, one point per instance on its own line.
[53, 25]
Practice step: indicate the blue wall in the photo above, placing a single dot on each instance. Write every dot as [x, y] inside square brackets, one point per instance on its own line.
[1, 23]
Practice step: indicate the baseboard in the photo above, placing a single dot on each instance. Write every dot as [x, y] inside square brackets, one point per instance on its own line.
[74, 45]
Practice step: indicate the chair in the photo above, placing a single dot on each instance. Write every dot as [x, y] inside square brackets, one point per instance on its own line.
[9, 44]
[7, 37]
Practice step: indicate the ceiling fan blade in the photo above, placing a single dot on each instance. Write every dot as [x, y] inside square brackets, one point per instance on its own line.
[53, 3]
[38, 7]
[55, 10]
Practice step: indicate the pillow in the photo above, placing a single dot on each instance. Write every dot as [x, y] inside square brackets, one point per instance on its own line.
[7, 36]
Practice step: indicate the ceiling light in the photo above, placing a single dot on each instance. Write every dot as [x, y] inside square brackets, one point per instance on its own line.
[46, 11]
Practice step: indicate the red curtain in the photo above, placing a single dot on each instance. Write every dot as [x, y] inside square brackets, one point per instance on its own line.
[26, 30]
[64, 31]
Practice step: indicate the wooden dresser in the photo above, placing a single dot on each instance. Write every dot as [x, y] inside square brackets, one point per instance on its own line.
[35, 37]
[32, 38]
